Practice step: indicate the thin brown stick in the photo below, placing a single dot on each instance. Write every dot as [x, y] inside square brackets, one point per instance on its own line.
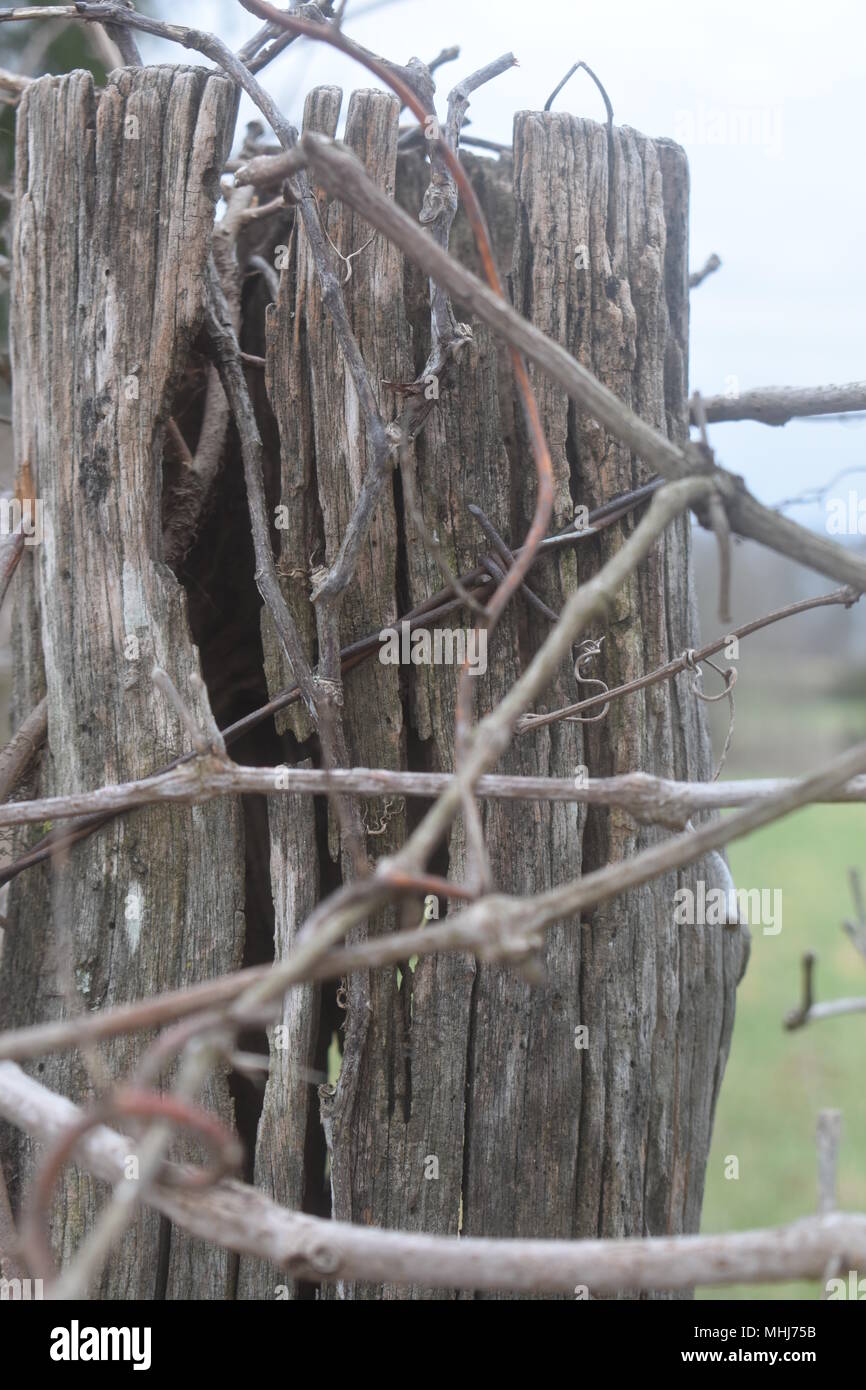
[330, 922]
[710, 266]
[845, 596]
[11, 550]
[43, 1038]
[22, 749]
[437, 606]
[506, 555]
[652, 800]
[226, 351]
[808, 1011]
[343, 176]
[856, 928]
[243, 1219]
[389, 74]
[13, 85]
[776, 405]
[572, 898]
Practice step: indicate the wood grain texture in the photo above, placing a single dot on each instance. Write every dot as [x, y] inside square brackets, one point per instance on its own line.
[365, 1135]
[472, 1066]
[325, 457]
[463, 1103]
[115, 197]
[469, 452]
[289, 1109]
[657, 1000]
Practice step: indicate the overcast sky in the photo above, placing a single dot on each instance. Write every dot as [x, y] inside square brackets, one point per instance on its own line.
[767, 97]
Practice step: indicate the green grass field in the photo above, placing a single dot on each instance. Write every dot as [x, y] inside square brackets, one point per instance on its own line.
[777, 1081]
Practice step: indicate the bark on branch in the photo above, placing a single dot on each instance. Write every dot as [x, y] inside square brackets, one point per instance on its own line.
[776, 405]
[344, 178]
[242, 1219]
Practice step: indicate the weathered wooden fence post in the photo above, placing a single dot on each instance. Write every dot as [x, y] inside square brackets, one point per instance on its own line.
[115, 198]
[469, 1098]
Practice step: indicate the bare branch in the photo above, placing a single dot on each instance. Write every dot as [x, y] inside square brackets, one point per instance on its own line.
[141, 1016]
[833, 1008]
[344, 177]
[709, 267]
[22, 748]
[122, 38]
[650, 800]
[430, 609]
[13, 85]
[686, 848]
[11, 550]
[226, 352]
[246, 1221]
[414, 86]
[846, 597]
[332, 920]
[445, 55]
[776, 405]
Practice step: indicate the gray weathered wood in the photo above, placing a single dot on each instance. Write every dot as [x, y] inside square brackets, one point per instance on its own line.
[465, 1102]
[657, 1000]
[282, 1162]
[472, 1066]
[114, 196]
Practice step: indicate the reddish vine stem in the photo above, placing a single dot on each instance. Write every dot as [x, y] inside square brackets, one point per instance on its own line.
[543, 463]
[123, 1103]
